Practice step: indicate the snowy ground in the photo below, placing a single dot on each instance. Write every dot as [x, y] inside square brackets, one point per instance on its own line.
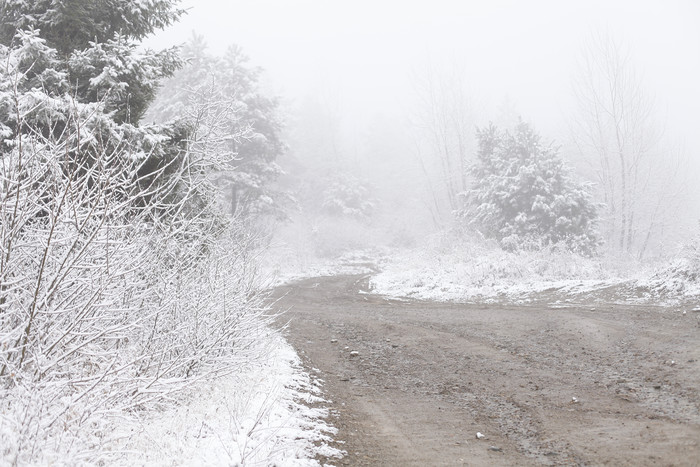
[267, 413]
[464, 272]
[271, 412]
[284, 265]
[678, 280]
[448, 269]
[478, 272]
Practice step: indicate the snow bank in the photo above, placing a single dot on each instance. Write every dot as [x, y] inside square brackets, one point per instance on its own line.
[284, 271]
[267, 413]
[679, 279]
[449, 269]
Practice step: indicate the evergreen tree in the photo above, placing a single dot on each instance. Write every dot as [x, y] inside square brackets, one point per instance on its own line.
[70, 25]
[232, 80]
[524, 196]
[348, 196]
[72, 72]
[92, 45]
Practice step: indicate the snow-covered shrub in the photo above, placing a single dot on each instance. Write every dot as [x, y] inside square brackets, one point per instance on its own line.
[233, 80]
[681, 277]
[121, 279]
[524, 196]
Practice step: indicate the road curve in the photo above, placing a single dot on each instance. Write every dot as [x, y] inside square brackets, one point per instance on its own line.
[411, 383]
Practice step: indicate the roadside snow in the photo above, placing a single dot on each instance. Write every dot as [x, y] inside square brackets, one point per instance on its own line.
[679, 279]
[446, 269]
[284, 266]
[478, 272]
[447, 286]
[267, 413]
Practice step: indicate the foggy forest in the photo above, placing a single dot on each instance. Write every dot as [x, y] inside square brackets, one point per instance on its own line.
[307, 233]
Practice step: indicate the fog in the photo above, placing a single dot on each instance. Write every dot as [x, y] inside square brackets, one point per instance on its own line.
[366, 51]
[314, 232]
[359, 72]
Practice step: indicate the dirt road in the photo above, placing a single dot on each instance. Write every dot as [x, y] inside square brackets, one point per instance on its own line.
[411, 383]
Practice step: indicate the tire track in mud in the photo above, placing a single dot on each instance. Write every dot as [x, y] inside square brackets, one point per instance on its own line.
[548, 386]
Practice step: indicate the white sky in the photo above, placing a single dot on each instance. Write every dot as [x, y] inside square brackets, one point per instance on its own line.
[364, 51]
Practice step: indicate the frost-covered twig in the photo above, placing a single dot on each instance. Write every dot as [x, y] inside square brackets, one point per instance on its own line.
[122, 282]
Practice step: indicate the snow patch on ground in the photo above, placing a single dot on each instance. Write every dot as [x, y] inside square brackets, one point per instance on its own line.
[453, 285]
[461, 271]
[284, 266]
[266, 413]
[448, 268]
[480, 272]
[677, 281]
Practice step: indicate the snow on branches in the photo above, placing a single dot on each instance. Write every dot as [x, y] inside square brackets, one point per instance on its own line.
[524, 196]
[122, 279]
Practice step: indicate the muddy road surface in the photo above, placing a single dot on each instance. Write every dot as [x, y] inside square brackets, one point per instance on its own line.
[411, 383]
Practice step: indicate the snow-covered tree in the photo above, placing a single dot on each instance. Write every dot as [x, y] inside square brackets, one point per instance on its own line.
[79, 60]
[121, 279]
[231, 79]
[70, 25]
[87, 49]
[348, 196]
[524, 196]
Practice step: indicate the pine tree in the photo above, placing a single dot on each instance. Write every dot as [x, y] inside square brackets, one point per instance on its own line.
[72, 72]
[232, 80]
[348, 196]
[70, 25]
[92, 45]
[524, 196]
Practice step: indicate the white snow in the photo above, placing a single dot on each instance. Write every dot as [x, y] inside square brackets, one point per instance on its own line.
[463, 271]
[269, 413]
[680, 278]
[456, 270]
[284, 265]
[266, 411]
